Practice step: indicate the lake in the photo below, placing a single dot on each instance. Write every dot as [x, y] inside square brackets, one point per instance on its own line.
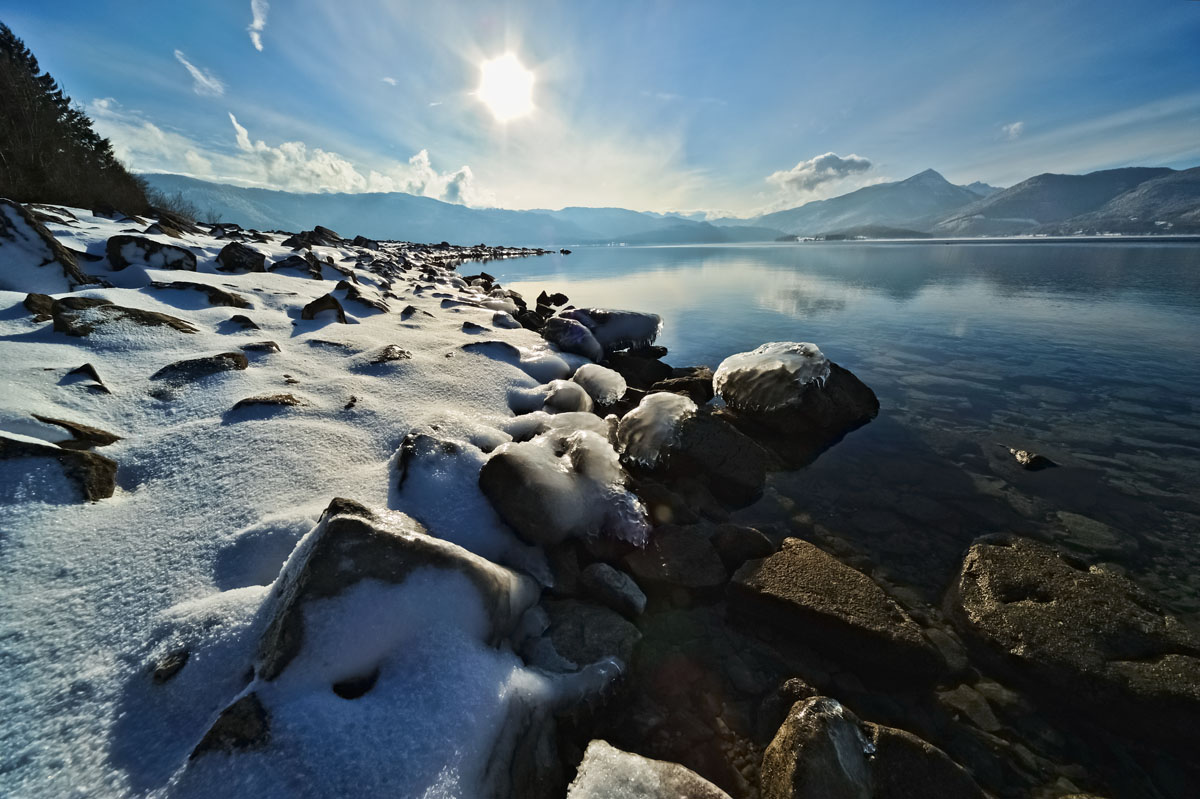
[1084, 351]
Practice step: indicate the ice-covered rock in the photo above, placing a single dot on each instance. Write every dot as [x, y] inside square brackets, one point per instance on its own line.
[81, 316]
[609, 773]
[570, 335]
[603, 385]
[557, 396]
[618, 330]
[31, 259]
[646, 432]
[770, 377]
[24, 475]
[529, 425]
[563, 485]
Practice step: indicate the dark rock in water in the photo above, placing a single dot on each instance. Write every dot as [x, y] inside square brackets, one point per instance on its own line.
[271, 400]
[638, 372]
[564, 252]
[40, 305]
[352, 544]
[556, 298]
[736, 545]
[125, 251]
[95, 475]
[613, 589]
[649, 351]
[803, 591]
[1081, 636]
[245, 322]
[237, 257]
[80, 316]
[605, 767]
[678, 557]
[83, 436]
[823, 751]
[169, 665]
[820, 416]
[569, 336]
[216, 296]
[260, 346]
[1032, 461]
[697, 385]
[193, 369]
[584, 633]
[56, 269]
[241, 726]
[390, 353]
[731, 465]
[326, 302]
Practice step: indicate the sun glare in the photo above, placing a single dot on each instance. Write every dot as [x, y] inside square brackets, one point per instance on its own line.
[506, 87]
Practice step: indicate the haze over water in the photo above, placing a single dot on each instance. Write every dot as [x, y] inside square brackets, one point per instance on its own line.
[1082, 351]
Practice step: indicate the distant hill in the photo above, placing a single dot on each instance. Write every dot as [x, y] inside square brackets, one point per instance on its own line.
[1042, 200]
[981, 188]
[1167, 204]
[914, 203]
[406, 217]
[874, 232]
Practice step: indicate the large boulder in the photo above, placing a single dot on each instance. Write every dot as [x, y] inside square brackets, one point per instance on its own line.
[825, 604]
[790, 397]
[238, 257]
[81, 316]
[124, 251]
[824, 751]
[193, 369]
[609, 773]
[34, 261]
[94, 475]
[585, 633]
[1080, 635]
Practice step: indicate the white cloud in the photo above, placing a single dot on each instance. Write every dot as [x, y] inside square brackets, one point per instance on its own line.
[258, 22]
[389, 81]
[204, 82]
[806, 176]
[1013, 130]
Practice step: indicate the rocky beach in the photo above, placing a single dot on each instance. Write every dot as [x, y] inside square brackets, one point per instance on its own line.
[325, 515]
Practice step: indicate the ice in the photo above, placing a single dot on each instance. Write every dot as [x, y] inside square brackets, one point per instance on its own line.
[653, 426]
[534, 424]
[771, 377]
[572, 336]
[557, 396]
[605, 386]
[618, 330]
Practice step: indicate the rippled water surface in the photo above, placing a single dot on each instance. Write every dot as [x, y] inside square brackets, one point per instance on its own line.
[1084, 351]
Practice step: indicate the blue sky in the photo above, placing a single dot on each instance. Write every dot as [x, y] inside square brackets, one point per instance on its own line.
[726, 107]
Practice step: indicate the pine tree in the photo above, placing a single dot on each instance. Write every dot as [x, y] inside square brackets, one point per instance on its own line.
[49, 152]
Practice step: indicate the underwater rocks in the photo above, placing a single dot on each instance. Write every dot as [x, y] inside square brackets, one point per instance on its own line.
[823, 751]
[585, 633]
[125, 251]
[804, 592]
[94, 475]
[1079, 635]
[22, 237]
[607, 772]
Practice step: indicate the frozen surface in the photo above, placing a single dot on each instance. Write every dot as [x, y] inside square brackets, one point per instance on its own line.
[605, 386]
[771, 377]
[210, 501]
[653, 426]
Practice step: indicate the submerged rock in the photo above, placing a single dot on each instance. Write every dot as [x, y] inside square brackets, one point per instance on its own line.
[802, 591]
[125, 251]
[609, 773]
[1080, 635]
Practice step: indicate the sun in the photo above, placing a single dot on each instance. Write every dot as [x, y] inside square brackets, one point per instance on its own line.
[506, 87]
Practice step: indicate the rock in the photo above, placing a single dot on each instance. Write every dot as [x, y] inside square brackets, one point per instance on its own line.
[736, 545]
[169, 665]
[95, 475]
[390, 353]
[307, 263]
[697, 385]
[798, 423]
[125, 251]
[823, 751]
[83, 436]
[1080, 636]
[272, 400]
[244, 322]
[193, 369]
[216, 296]
[731, 465]
[355, 294]
[163, 229]
[609, 773]
[1094, 536]
[678, 557]
[1031, 461]
[52, 268]
[530, 320]
[805, 592]
[363, 241]
[584, 633]
[970, 703]
[663, 505]
[613, 589]
[80, 316]
[552, 299]
[638, 372]
[91, 378]
[326, 302]
[568, 335]
[237, 257]
[260, 346]
[40, 305]
[471, 327]
[352, 544]
[241, 726]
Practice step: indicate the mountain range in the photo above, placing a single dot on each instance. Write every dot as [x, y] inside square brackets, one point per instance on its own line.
[1133, 200]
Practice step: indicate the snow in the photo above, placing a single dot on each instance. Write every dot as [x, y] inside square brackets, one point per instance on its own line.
[210, 503]
[653, 426]
[25, 250]
[771, 377]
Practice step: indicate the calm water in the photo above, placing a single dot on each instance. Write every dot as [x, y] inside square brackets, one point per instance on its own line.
[1086, 352]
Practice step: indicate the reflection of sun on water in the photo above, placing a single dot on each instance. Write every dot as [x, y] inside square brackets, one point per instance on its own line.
[506, 87]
